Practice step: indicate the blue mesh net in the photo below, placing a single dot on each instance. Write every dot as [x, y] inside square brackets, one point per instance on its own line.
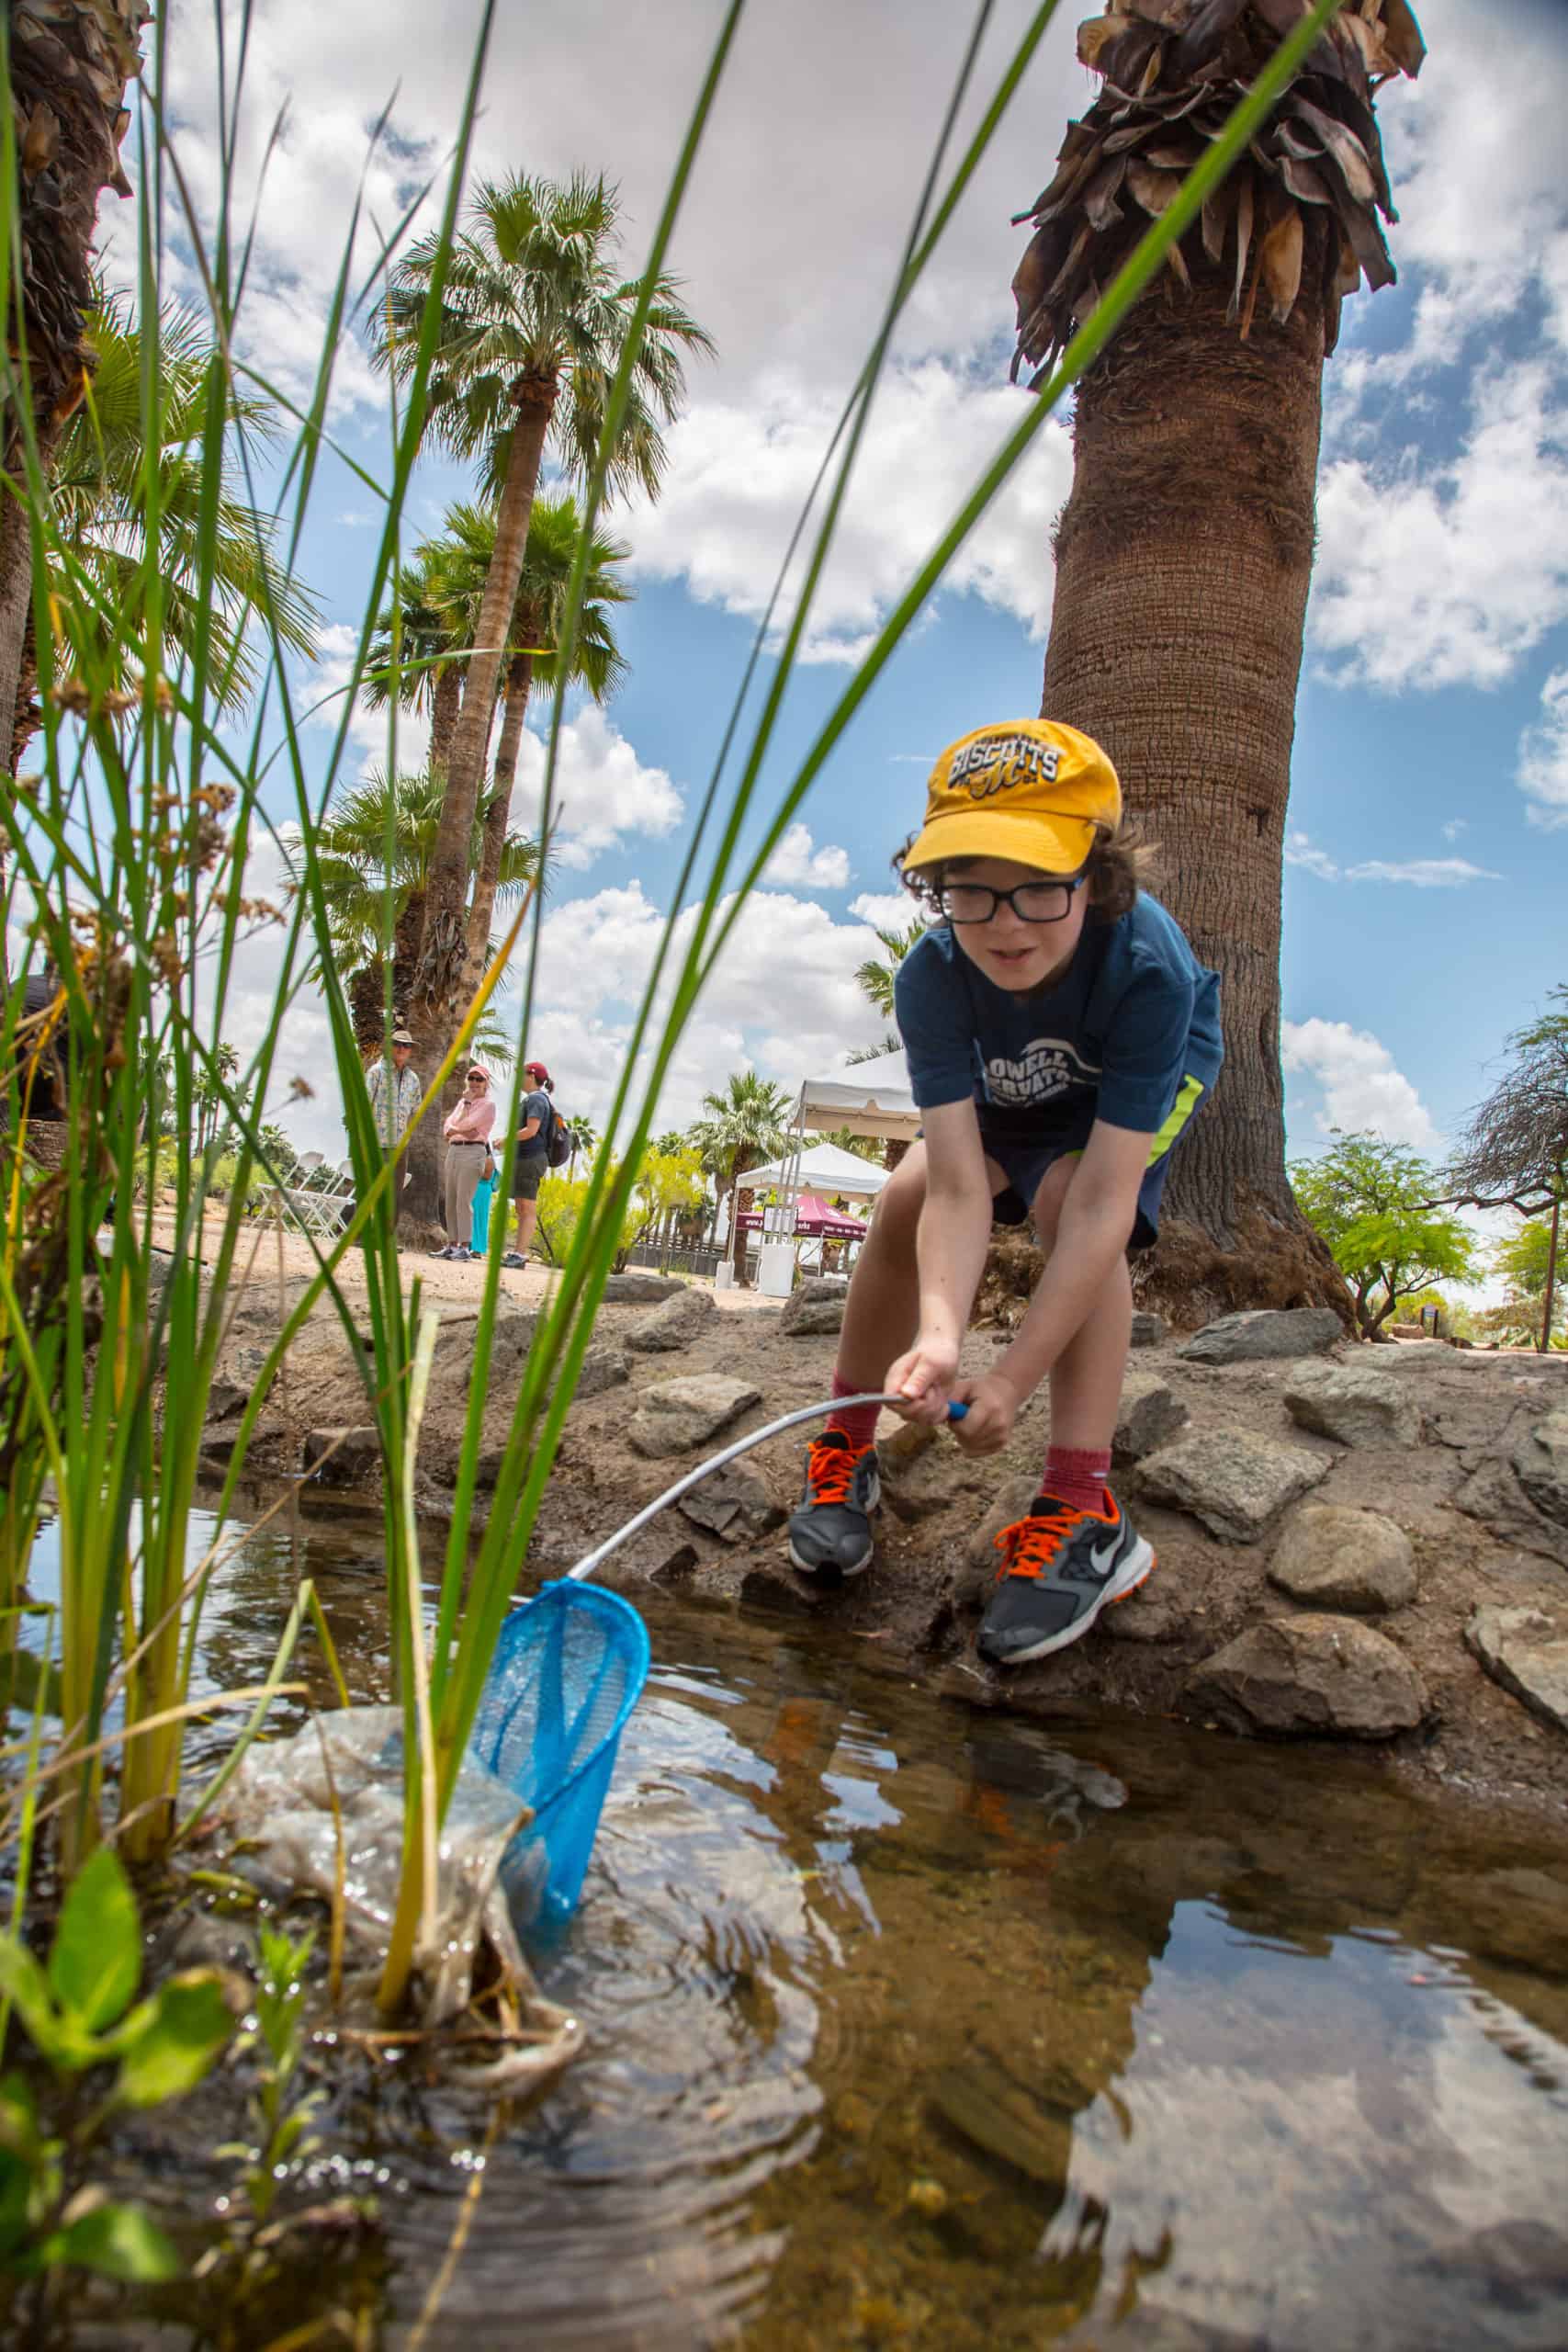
[565, 1674]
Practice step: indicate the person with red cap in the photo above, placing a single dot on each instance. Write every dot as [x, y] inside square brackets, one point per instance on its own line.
[530, 1163]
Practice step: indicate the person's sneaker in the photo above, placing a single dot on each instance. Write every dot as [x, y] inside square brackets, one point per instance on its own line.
[1061, 1567]
[829, 1534]
[514, 1257]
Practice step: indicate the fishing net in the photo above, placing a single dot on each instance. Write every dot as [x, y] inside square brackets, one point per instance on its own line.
[565, 1674]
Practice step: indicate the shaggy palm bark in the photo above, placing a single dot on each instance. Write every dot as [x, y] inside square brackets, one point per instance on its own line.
[1183, 561]
[68, 81]
[481, 907]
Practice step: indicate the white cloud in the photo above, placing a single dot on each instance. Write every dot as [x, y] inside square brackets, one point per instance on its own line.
[741, 472]
[1455, 826]
[1445, 574]
[1360, 1085]
[885, 911]
[1299, 851]
[1543, 756]
[1425, 873]
[603, 791]
[797, 861]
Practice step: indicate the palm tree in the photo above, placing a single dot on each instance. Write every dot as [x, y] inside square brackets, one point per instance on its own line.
[532, 324]
[748, 1125]
[103, 471]
[69, 68]
[356, 878]
[877, 980]
[1184, 554]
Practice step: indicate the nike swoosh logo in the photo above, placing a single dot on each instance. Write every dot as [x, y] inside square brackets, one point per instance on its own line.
[1103, 1555]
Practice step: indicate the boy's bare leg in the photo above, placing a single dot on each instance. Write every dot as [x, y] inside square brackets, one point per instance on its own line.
[883, 1305]
[1086, 1379]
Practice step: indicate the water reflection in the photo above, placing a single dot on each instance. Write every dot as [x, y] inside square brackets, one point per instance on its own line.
[914, 2026]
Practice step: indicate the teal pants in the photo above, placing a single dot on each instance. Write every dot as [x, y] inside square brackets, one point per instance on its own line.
[483, 1194]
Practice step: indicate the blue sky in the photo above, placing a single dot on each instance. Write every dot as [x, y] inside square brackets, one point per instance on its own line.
[1425, 892]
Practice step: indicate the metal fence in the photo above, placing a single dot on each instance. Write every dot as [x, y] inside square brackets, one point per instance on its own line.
[681, 1261]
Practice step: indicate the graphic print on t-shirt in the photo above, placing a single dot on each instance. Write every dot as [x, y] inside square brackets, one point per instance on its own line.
[1046, 1067]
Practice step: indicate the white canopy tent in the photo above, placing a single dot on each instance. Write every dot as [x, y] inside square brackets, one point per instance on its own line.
[871, 1099]
[823, 1168]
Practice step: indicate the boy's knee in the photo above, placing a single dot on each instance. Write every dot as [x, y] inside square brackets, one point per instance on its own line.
[900, 1202]
[1048, 1200]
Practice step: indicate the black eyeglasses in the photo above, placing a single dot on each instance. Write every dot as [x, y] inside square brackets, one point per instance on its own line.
[1030, 902]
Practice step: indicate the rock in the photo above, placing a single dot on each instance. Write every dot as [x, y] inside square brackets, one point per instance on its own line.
[640, 1289]
[1492, 1494]
[733, 1505]
[218, 1440]
[510, 1339]
[1148, 1414]
[343, 1457]
[1355, 1404]
[1264, 1332]
[1235, 1483]
[234, 1381]
[787, 1596]
[1149, 1330]
[667, 1328]
[1526, 1652]
[817, 1305]
[677, 1416]
[1541, 1462]
[1310, 1674]
[600, 1368]
[1335, 1557]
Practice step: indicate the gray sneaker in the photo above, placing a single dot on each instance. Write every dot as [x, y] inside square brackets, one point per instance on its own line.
[1061, 1567]
[829, 1534]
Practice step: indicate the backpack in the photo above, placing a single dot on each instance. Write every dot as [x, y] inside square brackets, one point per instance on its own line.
[562, 1142]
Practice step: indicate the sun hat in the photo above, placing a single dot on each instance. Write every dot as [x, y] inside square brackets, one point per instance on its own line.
[401, 1037]
[536, 1069]
[1027, 789]
[478, 1070]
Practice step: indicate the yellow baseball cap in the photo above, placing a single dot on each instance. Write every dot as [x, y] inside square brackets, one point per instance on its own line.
[1026, 789]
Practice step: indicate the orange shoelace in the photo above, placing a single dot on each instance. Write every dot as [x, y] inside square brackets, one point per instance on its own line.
[829, 1470]
[1029, 1545]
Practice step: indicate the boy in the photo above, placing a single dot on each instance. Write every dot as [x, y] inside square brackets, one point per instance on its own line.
[1060, 1035]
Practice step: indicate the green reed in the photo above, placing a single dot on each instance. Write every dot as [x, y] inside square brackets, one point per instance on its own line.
[125, 865]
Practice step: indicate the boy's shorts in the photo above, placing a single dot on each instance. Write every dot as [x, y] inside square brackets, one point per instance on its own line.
[526, 1177]
[1023, 1149]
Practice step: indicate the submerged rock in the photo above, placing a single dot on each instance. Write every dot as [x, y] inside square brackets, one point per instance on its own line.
[677, 1416]
[1236, 1483]
[673, 1325]
[1312, 1674]
[1264, 1332]
[1338, 1557]
[1354, 1404]
[344, 1457]
[1526, 1652]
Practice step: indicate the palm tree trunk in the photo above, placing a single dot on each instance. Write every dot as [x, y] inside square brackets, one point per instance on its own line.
[519, 679]
[739, 1236]
[1183, 560]
[445, 704]
[366, 1007]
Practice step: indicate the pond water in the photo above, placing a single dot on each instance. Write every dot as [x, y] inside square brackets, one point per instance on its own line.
[912, 2025]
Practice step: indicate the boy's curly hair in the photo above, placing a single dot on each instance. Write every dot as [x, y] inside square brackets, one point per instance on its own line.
[1120, 864]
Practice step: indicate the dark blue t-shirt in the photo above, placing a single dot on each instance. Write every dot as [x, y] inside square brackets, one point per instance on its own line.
[535, 1106]
[1133, 1014]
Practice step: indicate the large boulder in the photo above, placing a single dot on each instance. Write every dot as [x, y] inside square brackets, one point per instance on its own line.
[677, 1416]
[1354, 1404]
[1300, 1676]
[1148, 1415]
[1262, 1332]
[1541, 1461]
[1526, 1652]
[667, 1328]
[1332, 1557]
[815, 1305]
[634, 1289]
[1237, 1484]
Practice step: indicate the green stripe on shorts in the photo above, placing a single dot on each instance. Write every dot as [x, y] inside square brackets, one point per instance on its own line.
[1186, 1102]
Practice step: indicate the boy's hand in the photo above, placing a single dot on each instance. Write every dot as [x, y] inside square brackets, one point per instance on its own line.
[923, 1379]
[993, 1407]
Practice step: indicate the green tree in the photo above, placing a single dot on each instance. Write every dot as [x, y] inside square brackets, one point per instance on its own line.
[876, 979]
[747, 1125]
[1183, 556]
[103, 477]
[1526, 1261]
[1514, 1151]
[531, 327]
[1371, 1201]
[863, 1146]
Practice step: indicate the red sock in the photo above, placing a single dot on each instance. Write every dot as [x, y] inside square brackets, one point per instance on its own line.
[1078, 1475]
[859, 1425]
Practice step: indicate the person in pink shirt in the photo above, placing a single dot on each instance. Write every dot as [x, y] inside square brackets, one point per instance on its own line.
[467, 1130]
